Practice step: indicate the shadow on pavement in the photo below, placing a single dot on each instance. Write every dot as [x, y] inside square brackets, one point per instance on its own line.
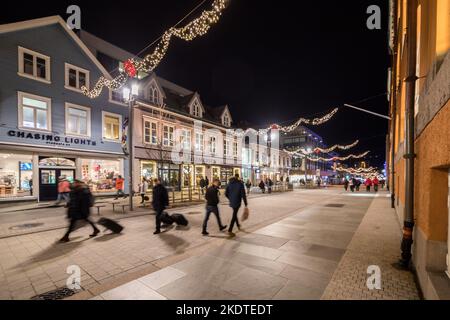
[107, 237]
[176, 243]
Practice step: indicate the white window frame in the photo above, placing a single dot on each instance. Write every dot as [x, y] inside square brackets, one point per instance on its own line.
[199, 145]
[235, 149]
[20, 96]
[111, 100]
[21, 51]
[151, 122]
[106, 113]
[170, 138]
[67, 67]
[186, 145]
[226, 120]
[212, 143]
[88, 119]
[226, 147]
[153, 87]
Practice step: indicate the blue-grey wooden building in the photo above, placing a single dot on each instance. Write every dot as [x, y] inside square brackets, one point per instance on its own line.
[48, 127]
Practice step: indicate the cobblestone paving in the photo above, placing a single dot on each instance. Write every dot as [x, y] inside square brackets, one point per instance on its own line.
[376, 242]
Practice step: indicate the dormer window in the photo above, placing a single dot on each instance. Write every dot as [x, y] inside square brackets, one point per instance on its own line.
[153, 94]
[196, 109]
[226, 120]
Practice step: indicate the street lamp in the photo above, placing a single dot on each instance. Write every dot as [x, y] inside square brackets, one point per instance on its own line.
[130, 96]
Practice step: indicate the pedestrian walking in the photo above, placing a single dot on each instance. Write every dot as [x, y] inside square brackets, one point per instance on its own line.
[269, 185]
[63, 190]
[235, 193]
[79, 208]
[262, 186]
[382, 183]
[207, 182]
[160, 201]
[203, 185]
[212, 202]
[368, 184]
[346, 183]
[143, 187]
[354, 184]
[120, 182]
[248, 185]
[375, 183]
[358, 184]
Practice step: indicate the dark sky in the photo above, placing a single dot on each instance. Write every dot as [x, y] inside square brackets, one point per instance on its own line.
[270, 61]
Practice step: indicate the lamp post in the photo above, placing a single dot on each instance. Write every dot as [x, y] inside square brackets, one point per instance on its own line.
[130, 96]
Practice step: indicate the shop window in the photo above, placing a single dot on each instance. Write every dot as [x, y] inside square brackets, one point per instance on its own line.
[16, 175]
[78, 120]
[34, 65]
[100, 174]
[34, 111]
[148, 170]
[76, 78]
[111, 126]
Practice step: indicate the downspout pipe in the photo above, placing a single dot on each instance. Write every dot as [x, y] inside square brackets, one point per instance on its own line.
[409, 156]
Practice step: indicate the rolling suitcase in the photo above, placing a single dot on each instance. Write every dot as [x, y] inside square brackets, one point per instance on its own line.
[166, 219]
[110, 225]
[179, 219]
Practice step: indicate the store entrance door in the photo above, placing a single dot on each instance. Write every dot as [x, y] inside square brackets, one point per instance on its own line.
[48, 182]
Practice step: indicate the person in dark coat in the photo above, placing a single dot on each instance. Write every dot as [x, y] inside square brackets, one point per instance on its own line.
[346, 183]
[160, 201]
[79, 208]
[235, 192]
[203, 185]
[248, 185]
[262, 186]
[212, 201]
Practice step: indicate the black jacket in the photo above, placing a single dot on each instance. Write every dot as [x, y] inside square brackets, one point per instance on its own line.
[212, 196]
[236, 193]
[160, 197]
[80, 203]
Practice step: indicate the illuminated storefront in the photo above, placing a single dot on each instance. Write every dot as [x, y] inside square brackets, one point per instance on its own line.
[16, 174]
[100, 174]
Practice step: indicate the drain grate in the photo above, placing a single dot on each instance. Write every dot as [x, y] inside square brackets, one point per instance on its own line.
[334, 205]
[57, 294]
[26, 226]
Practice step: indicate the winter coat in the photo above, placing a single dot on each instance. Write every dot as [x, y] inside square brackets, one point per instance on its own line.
[262, 185]
[375, 182]
[368, 183]
[235, 192]
[160, 198]
[80, 203]
[203, 183]
[212, 196]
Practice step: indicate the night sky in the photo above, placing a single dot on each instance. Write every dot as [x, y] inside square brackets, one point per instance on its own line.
[270, 61]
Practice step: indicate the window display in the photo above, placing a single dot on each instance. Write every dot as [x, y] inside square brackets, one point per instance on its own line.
[100, 174]
[148, 170]
[16, 174]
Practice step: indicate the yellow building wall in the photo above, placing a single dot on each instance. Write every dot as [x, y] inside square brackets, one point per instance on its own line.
[431, 176]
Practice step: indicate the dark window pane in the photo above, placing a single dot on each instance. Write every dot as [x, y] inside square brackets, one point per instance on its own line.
[28, 63]
[81, 79]
[72, 78]
[41, 72]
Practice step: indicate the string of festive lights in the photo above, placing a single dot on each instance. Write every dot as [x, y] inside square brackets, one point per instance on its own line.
[196, 28]
[313, 122]
[359, 170]
[322, 150]
[350, 156]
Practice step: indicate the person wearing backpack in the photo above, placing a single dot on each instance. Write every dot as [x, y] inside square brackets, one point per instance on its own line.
[79, 208]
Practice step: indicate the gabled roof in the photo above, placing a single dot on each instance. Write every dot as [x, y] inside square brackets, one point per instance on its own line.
[42, 22]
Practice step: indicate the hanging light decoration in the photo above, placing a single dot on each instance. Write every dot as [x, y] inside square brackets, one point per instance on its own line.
[351, 156]
[196, 28]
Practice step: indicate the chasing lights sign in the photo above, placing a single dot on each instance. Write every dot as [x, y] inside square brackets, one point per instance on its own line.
[51, 139]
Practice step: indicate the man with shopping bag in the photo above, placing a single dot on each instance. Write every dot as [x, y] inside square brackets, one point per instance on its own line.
[235, 193]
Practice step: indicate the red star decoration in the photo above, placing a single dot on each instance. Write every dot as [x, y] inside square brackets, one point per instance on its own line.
[130, 69]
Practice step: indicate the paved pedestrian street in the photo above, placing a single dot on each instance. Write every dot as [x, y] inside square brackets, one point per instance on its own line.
[304, 244]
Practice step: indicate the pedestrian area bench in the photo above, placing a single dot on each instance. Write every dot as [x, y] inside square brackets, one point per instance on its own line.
[98, 206]
[120, 205]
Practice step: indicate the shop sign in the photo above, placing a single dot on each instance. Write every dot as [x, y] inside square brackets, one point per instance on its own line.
[51, 139]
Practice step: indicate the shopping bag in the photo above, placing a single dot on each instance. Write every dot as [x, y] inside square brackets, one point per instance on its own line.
[245, 214]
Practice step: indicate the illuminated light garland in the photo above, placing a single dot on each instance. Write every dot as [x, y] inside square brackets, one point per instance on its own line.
[359, 170]
[327, 150]
[196, 28]
[351, 156]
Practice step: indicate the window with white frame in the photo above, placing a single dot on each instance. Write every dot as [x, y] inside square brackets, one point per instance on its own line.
[117, 96]
[196, 109]
[199, 141]
[34, 111]
[168, 136]
[150, 132]
[153, 94]
[212, 145]
[226, 148]
[76, 77]
[78, 120]
[111, 126]
[235, 149]
[34, 65]
[185, 139]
